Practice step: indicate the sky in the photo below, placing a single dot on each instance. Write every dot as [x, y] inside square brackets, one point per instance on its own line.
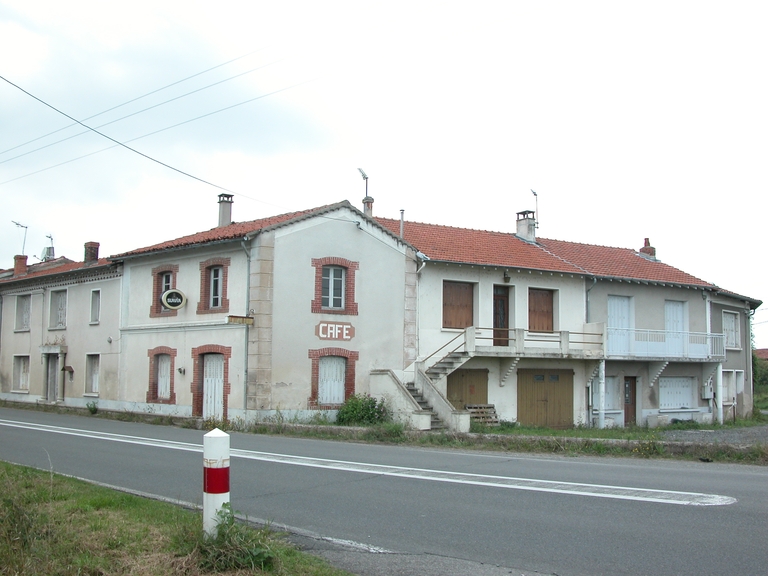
[630, 120]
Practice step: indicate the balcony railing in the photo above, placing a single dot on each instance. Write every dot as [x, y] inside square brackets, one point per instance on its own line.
[588, 342]
[625, 342]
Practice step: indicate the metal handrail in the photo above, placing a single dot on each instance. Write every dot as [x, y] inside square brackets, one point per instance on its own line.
[459, 335]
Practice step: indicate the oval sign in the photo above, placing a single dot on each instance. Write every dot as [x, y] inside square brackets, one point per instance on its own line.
[174, 299]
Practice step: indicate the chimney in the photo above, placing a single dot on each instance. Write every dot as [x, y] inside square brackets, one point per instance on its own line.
[368, 206]
[19, 265]
[648, 250]
[526, 225]
[91, 252]
[225, 209]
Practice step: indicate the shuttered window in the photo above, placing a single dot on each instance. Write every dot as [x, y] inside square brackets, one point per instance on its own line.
[23, 311]
[458, 304]
[731, 330]
[540, 310]
[21, 373]
[92, 362]
[163, 366]
[676, 393]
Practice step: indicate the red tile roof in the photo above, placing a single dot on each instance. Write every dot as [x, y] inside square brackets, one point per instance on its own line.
[762, 353]
[234, 231]
[53, 267]
[464, 245]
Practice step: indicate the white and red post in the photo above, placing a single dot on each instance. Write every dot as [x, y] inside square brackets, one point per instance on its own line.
[215, 478]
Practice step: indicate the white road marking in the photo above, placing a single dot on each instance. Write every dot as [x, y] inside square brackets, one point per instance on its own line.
[570, 488]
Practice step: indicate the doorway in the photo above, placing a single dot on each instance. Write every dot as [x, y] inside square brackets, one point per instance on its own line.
[468, 387]
[500, 316]
[545, 398]
[630, 400]
[213, 386]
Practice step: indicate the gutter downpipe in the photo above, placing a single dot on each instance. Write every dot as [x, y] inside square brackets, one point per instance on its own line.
[594, 281]
[719, 392]
[601, 396]
[247, 313]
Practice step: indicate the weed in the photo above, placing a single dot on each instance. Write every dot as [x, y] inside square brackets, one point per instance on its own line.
[235, 546]
[93, 407]
[363, 409]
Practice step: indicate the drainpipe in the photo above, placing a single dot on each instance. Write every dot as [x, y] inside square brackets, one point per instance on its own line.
[594, 281]
[719, 392]
[247, 313]
[601, 396]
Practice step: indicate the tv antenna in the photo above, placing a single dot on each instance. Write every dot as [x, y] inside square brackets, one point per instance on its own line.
[365, 177]
[24, 243]
[536, 224]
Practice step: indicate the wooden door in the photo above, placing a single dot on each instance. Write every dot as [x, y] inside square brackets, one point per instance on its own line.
[500, 316]
[545, 398]
[468, 387]
[630, 400]
[213, 386]
[540, 310]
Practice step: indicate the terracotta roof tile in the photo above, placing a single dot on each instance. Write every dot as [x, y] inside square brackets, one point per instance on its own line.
[762, 353]
[232, 232]
[54, 267]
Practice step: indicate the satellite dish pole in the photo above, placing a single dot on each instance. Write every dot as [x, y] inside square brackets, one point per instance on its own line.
[365, 177]
[24, 243]
[536, 224]
[367, 201]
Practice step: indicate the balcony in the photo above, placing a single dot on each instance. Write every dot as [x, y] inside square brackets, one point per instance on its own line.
[662, 344]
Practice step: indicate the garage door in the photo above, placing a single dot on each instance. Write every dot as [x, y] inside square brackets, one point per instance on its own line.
[545, 398]
[468, 387]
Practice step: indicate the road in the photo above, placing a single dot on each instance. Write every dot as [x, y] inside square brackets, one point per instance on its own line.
[454, 511]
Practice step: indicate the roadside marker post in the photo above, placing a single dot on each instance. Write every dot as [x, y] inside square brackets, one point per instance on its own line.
[215, 478]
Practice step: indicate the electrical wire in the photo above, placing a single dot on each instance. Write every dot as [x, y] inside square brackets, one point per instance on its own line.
[133, 100]
[138, 112]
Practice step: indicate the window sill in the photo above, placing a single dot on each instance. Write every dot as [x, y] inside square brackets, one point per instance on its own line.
[739, 349]
[91, 395]
[611, 411]
[668, 410]
[20, 330]
[57, 328]
[19, 391]
[93, 323]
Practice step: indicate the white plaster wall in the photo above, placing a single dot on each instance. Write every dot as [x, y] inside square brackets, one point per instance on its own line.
[379, 292]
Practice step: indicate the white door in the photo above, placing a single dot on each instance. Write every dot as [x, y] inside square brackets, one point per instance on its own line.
[213, 386]
[164, 376]
[618, 325]
[333, 372]
[674, 318]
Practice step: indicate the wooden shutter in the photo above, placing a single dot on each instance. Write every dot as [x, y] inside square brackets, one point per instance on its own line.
[540, 310]
[457, 304]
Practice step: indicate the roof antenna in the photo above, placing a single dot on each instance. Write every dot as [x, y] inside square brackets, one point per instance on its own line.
[365, 177]
[536, 223]
[24, 243]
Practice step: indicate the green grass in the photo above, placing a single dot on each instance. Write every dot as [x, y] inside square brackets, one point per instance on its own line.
[51, 524]
[761, 398]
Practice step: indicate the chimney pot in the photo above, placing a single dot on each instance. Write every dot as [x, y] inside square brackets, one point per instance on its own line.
[91, 252]
[647, 249]
[225, 209]
[368, 206]
[526, 225]
[19, 265]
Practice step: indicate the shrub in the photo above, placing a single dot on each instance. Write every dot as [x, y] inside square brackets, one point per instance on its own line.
[362, 409]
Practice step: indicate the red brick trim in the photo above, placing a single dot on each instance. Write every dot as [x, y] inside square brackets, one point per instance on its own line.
[197, 377]
[156, 310]
[152, 389]
[204, 305]
[352, 357]
[350, 306]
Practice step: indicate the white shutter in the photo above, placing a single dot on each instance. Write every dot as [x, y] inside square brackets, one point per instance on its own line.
[163, 376]
[332, 374]
[618, 325]
[213, 386]
[675, 393]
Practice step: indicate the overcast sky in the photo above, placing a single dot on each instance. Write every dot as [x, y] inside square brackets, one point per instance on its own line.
[629, 119]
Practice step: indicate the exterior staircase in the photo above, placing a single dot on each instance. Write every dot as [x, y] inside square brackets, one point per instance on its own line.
[436, 423]
[483, 414]
[446, 365]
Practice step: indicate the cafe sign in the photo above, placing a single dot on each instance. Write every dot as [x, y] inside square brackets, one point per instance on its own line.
[335, 331]
[173, 299]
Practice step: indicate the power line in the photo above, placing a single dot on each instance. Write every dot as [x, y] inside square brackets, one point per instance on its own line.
[139, 111]
[113, 140]
[133, 100]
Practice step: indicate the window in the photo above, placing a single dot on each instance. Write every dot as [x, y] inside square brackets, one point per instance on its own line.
[163, 363]
[21, 373]
[23, 311]
[95, 306]
[733, 385]
[458, 304]
[213, 286]
[676, 393]
[541, 310]
[334, 286]
[731, 331]
[163, 279]
[612, 395]
[92, 362]
[58, 319]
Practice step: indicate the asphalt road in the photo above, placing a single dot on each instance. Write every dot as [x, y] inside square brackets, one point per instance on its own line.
[401, 510]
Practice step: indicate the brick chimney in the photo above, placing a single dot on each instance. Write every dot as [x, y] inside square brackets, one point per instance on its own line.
[368, 206]
[526, 225]
[648, 250]
[91, 252]
[225, 209]
[19, 265]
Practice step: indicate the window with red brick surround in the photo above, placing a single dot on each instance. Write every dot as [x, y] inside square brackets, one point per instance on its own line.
[214, 276]
[152, 393]
[349, 377]
[159, 284]
[197, 377]
[349, 304]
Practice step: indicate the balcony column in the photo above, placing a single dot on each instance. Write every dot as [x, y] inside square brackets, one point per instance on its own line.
[60, 377]
[469, 340]
[601, 396]
[719, 392]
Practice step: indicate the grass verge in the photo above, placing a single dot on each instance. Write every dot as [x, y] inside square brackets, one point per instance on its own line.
[50, 524]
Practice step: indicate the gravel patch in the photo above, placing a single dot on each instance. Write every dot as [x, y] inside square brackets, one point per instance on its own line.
[743, 436]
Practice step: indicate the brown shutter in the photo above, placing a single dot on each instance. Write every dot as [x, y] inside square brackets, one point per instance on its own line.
[457, 304]
[540, 310]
